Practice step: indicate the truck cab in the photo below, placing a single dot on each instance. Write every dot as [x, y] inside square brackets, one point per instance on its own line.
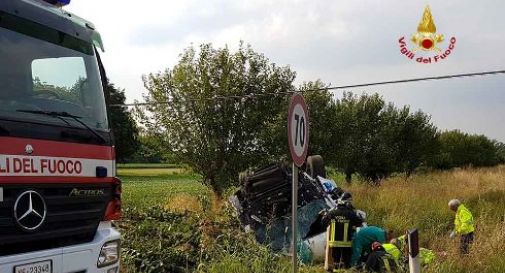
[58, 188]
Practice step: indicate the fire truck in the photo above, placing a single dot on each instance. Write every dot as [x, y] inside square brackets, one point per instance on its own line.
[58, 190]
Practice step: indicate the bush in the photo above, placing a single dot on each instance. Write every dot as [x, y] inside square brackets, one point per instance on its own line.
[458, 149]
[156, 240]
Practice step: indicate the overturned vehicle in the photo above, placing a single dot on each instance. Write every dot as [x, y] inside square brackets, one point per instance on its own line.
[263, 205]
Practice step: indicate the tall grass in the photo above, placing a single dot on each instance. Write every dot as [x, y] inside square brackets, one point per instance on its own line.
[187, 231]
[421, 202]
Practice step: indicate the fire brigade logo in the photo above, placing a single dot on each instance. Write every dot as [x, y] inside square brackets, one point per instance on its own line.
[426, 37]
[30, 211]
[426, 40]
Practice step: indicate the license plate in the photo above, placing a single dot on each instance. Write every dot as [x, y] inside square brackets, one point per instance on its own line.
[39, 267]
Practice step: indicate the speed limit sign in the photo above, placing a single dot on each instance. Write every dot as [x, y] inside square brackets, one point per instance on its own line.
[298, 129]
[298, 138]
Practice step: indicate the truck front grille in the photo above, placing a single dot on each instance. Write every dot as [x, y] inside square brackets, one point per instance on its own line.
[73, 214]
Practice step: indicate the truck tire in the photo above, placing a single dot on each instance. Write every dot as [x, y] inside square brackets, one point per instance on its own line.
[315, 166]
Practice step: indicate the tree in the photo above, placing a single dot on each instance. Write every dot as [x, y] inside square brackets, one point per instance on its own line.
[458, 149]
[321, 107]
[413, 136]
[322, 115]
[356, 133]
[123, 125]
[214, 108]
[152, 149]
[500, 150]
[375, 139]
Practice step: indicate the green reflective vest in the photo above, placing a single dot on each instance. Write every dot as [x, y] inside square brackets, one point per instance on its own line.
[426, 256]
[393, 251]
[463, 222]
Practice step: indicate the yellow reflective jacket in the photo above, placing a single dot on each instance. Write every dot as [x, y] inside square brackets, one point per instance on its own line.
[393, 251]
[426, 256]
[463, 222]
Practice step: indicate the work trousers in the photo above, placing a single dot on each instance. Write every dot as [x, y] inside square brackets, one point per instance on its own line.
[342, 257]
[465, 241]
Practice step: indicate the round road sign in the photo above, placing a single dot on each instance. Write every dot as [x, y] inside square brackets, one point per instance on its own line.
[298, 129]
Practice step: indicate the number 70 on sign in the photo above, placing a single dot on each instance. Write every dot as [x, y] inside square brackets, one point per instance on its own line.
[298, 129]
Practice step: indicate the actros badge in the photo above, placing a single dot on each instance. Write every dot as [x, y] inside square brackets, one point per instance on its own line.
[30, 210]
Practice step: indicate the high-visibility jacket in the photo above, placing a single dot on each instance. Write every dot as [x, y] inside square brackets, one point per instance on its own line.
[426, 256]
[343, 223]
[393, 251]
[343, 233]
[463, 222]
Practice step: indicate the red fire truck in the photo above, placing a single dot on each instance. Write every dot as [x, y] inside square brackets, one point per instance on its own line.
[58, 190]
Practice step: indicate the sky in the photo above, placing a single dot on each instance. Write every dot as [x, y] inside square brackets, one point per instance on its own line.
[340, 42]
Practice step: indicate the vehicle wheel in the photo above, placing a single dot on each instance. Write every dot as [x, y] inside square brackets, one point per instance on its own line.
[315, 166]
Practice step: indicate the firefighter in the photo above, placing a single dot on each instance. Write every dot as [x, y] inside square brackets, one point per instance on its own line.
[346, 198]
[463, 225]
[342, 223]
[362, 242]
[379, 260]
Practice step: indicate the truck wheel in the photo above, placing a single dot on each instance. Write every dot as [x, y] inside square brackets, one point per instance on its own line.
[315, 166]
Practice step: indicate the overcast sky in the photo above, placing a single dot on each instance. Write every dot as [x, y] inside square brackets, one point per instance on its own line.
[340, 42]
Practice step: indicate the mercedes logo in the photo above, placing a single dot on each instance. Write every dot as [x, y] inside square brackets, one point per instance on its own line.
[29, 149]
[30, 210]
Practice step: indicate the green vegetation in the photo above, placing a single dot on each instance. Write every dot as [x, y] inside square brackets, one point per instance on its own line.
[220, 113]
[218, 138]
[223, 112]
[458, 149]
[172, 223]
[152, 148]
[123, 125]
[67, 93]
[376, 139]
[122, 166]
[147, 187]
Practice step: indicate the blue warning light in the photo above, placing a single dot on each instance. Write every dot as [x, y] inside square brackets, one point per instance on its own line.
[62, 2]
[59, 3]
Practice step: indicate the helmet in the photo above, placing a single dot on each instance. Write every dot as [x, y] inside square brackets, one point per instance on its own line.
[361, 214]
[376, 246]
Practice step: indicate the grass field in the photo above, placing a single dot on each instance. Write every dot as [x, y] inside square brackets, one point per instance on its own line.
[148, 166]
[173, 224]
[148, 187]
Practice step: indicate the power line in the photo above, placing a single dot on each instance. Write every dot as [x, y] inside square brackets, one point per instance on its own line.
[453, 76]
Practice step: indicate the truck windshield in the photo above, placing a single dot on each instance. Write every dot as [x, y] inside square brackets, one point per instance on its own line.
[45, 70]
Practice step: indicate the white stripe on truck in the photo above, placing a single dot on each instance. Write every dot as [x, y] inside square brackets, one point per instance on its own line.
[15, 165]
